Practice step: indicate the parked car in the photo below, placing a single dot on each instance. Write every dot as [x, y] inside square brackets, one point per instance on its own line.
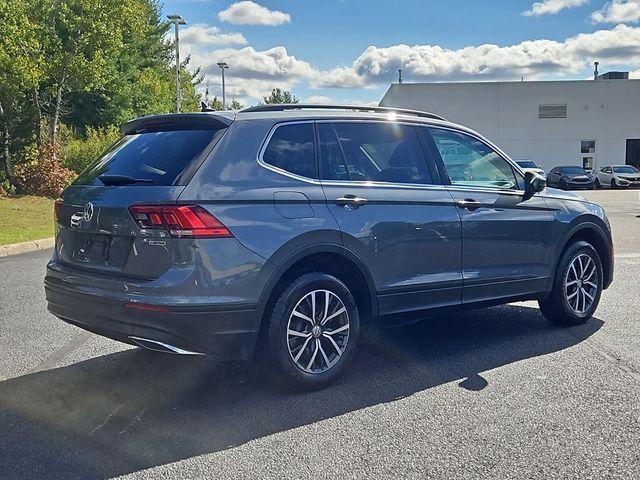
[615, 176]
[570, 177]
[528, 165]
[285, 231]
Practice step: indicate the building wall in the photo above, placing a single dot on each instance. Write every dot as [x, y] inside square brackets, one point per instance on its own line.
[607, 111]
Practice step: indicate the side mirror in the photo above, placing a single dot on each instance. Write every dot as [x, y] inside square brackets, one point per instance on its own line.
[533, 183]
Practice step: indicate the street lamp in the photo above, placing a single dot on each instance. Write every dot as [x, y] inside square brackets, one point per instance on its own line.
[177, 20]
[222, 66]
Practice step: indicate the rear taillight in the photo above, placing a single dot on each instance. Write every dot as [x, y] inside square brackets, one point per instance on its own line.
[57, 207]
[190, 221]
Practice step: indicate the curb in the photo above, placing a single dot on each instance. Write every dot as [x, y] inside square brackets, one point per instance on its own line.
[24, 247]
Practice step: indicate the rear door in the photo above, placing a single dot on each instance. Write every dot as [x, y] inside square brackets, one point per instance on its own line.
[508, 241]
[150, 165]
[383, 191]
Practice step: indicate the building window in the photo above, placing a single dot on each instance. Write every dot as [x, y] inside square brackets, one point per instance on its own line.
[587, 163]
[552, 111]
[588, 146]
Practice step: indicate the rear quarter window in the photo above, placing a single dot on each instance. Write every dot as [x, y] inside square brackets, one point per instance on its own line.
[161, 158]
[291, 148]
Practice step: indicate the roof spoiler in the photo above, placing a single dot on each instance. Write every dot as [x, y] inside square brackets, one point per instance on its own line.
[173, 121]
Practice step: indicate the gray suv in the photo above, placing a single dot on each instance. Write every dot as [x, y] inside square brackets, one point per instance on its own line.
[288, 230]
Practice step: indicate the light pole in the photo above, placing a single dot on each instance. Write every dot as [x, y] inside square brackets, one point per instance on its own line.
[177, 20]
[222, 66]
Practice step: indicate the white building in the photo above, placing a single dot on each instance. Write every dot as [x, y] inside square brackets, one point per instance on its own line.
[586, 122]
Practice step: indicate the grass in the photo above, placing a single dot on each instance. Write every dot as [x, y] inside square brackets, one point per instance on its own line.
[24, 218]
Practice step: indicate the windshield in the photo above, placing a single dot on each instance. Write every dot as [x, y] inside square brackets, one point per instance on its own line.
[527, 164]
[625, 169]
[572, 170]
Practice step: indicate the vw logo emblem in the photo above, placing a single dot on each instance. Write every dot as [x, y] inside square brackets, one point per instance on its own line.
[87, 213]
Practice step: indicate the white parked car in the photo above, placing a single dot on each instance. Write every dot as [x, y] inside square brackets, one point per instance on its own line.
[530, 165]
[616, 176]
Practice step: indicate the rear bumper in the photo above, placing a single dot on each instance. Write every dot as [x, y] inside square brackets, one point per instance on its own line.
[227, 330]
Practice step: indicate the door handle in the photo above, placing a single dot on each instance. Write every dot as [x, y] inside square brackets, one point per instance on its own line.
[349, 200]
[469, 203]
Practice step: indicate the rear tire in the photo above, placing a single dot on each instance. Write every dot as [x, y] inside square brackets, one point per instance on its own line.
[598, 184]
[311, 342]
[577, 286]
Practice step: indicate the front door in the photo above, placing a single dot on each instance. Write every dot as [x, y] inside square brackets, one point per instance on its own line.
[385, 196]
[507, 242]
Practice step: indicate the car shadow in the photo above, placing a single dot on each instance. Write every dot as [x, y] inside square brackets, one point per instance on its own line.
[127, 411]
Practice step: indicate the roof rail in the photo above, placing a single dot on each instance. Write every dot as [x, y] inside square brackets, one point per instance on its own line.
[280, 107]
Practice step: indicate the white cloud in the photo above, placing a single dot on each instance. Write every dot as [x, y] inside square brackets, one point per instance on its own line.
[320, 100]
[253, 73]
[618, 11]
[551, 7]
[531, 59]
[203, 34]
[247, 12]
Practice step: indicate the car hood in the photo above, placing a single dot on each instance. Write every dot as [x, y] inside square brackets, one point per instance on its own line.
[628, 176]
[575, 176]
[562, 194]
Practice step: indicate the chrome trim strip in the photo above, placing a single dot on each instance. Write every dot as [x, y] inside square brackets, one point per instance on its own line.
[347, 183]
[337, 183]
[167, 348]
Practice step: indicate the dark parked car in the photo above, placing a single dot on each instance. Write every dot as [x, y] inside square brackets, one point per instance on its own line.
[571, 178]
[287, 230]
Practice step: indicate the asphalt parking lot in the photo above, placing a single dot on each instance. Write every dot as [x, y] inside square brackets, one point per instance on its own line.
[497, 393]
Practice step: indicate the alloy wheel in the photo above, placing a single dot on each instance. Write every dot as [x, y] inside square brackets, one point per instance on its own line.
[581, 283]
[318, 331]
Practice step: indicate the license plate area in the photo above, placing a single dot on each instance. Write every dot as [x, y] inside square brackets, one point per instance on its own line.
[101, 250]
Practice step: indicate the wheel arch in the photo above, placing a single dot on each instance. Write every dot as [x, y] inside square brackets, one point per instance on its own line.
[329, 258]
[594, 234]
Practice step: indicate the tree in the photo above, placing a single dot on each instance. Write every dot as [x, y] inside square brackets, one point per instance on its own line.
[86, 64]
[281, 96]
[21, 65]
[235, 105]
[216, 104]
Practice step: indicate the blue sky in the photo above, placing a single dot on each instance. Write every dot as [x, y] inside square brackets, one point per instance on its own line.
[350, 50]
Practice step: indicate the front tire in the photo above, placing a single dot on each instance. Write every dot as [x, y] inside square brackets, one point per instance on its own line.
[577, 286]
[613, 184]
[313, 332]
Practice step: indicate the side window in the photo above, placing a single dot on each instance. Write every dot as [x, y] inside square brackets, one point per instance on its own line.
[372, 152]
[607, 170]
[470, 162]
[291, 148]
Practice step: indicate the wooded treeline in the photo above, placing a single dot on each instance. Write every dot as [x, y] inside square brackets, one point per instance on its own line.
[72, 70]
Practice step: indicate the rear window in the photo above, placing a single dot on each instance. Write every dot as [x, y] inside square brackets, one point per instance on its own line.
[158, 158]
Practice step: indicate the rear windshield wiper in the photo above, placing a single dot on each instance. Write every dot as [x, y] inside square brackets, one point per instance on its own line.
[122, 180]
